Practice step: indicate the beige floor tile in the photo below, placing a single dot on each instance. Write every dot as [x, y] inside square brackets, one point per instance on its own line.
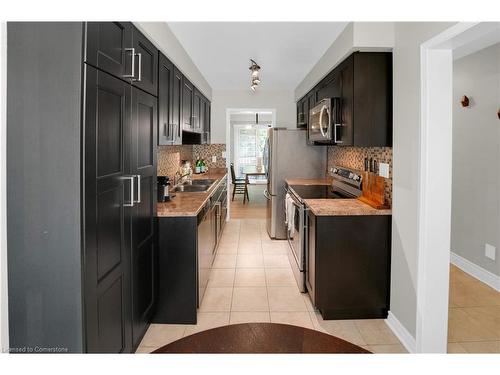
[285, 299]
[301, 319]
[486, 316]
[276, 261]
[275, 247]
[249, 261]
[250, 299]
[207, 320]
[387, 349]
[145, 349]
[216, 299]
[308, 302]
[250, 277]
[238, 317]
[280, 277]
[225, 261]
[376, 332]
[227, 249]
[344, 329]
[158, 335]
[456, 348]
[250, 248]
[221, 277]
[482, 346]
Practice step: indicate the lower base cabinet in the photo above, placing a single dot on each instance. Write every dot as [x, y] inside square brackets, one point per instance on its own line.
[348, 265]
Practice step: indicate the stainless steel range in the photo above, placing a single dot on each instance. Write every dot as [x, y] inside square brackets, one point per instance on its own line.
[346, 184]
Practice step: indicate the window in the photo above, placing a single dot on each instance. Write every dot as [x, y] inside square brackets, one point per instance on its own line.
[249, 141]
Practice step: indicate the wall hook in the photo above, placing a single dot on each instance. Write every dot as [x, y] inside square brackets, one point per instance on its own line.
[464, 101]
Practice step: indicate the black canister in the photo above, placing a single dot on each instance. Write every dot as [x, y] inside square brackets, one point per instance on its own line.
[163, 188]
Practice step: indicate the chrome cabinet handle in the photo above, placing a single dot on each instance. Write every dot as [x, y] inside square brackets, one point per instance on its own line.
[131, 179]
[132, 75]
[138, 188]
[140, 67]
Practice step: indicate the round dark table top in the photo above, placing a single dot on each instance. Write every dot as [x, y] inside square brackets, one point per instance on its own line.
[260, 338]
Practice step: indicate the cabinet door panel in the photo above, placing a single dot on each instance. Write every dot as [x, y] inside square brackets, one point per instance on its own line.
[187, 105]
[347, 99]
[197, 104]
[146, 77]
[176, 111]
[143, 165]
[166, 130]
[106, 47]
[107, 219]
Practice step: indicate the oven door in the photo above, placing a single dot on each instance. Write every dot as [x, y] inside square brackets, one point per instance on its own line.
[320, 122]
[297, 242]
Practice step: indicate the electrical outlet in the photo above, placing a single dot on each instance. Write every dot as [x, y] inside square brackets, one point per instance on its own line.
[490, 251]
[214, 159]
[224, 154]
[383, 170]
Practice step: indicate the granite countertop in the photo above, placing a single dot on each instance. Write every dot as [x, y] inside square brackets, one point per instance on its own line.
[336, 207]
[188, 203]
[343, 207]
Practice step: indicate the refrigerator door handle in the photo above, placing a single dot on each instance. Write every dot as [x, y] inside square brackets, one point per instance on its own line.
[266, 194]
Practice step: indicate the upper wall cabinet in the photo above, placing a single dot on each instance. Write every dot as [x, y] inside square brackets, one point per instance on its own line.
[110, 48]
[363, 82]
[146, 63]
[169, 88]
[187, 105]
[118, 48]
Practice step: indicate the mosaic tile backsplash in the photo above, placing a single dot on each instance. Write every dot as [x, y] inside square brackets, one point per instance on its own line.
[207, 151]
[353, 157]
[170, 157]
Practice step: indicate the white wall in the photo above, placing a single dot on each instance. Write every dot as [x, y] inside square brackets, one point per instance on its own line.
[357, 36]
[281, 100]
[4, 323]
[164, 39]
[406, 137]
[476, 155]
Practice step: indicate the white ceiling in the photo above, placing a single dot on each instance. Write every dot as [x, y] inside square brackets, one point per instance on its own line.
[286, 51]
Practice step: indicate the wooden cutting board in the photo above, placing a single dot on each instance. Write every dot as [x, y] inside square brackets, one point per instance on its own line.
[373, 190]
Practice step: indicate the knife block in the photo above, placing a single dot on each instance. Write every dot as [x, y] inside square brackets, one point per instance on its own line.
[373, 190]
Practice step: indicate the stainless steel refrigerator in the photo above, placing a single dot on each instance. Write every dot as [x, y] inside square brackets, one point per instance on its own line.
[287, 155]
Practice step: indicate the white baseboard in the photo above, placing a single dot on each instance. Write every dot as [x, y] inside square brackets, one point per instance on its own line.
[475, 271]
[401, 333]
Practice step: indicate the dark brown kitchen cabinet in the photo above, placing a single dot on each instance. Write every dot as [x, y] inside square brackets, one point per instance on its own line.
[363, 82]
[109, 47]
[206, 113]
[177, 105]
[348, 274]
[120, 206]
[108, 213]
[302, 111]
[187, 105]
[146, 63]
[197, 111]
[167, 127]
[120, 49]
[143, 168]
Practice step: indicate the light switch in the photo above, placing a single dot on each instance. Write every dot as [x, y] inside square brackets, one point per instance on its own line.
[214, 159]
[489, 251]
[383, 170]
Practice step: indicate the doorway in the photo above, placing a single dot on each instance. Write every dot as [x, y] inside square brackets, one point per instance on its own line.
[246, 137]
[435, 177]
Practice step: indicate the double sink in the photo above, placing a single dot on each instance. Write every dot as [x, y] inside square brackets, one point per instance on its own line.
[195, 186]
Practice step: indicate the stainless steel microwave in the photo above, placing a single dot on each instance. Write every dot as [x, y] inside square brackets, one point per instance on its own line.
[325, 122]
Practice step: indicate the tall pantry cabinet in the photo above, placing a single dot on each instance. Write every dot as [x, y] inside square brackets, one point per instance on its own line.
[82, 268]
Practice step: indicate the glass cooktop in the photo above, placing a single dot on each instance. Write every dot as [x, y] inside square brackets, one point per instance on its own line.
[317, 192]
